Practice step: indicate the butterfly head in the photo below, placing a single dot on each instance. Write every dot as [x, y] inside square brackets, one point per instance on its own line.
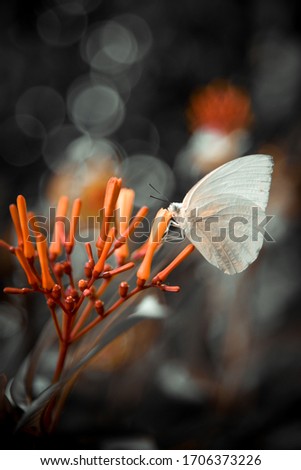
[175, 208]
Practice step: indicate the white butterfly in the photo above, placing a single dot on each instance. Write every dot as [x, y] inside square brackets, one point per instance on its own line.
[220, 214]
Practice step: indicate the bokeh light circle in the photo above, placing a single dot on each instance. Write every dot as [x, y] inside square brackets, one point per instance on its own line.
[109, 48]
[59, 27]
[140, 31]
[95, 108]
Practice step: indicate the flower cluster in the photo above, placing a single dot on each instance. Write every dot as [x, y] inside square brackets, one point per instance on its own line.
[49, 271]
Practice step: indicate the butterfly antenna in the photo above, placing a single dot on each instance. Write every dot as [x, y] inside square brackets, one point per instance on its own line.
[158, 192]
[153, 187]
[158, 198]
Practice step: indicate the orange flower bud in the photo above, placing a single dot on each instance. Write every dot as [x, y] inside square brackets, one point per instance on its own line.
[55, 248]
[118, 270]
[123, 289]
[162, 275]
[28, 247]
[159, 227]
[82, 284]
[90, 254]
[47, 281]
[141, 214]
[31, 277]
[112, 193]
[56, 291]
[70, 303]
[73, 225]
[105, 251]
[170, 288]
[89, 293]
[51, 304]
[99, 307]
[88, 270]
[124, 208]
[58, 269]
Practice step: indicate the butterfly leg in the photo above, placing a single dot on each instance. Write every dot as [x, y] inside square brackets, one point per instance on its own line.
[174, 235]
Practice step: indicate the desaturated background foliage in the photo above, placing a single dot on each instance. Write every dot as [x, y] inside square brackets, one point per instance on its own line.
[89, 88]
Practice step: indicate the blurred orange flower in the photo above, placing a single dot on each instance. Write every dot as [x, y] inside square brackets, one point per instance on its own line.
[220, 106]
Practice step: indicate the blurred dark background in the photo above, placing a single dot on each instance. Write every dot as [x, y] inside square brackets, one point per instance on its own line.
[89, 88]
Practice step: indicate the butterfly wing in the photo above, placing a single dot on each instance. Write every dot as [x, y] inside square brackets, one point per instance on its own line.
[248, 177]
[225, 232]
[221, 213]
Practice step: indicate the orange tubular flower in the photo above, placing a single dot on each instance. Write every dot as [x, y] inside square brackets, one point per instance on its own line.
[162, 275]
[105, 251]
[124, 208]
[111, 196]
[32, 223]
[73, 224]
[47, 281]
[55, 248]
[118, 270]
[141, 214]
[159, 227]
[28, 247]
[31, 277]
[16, 221]
[15, 290]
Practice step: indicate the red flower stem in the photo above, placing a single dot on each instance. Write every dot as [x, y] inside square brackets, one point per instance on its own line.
[70, 275]
[64, 345]
[110, 310]
[89, 307]
[71, 280]
[65, 326]
[61, 361]
[31, 262]
[79, 303]
[56, 324]
[60, 304]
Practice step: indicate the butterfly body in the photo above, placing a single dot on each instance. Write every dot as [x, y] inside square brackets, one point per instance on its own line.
[222, 213]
